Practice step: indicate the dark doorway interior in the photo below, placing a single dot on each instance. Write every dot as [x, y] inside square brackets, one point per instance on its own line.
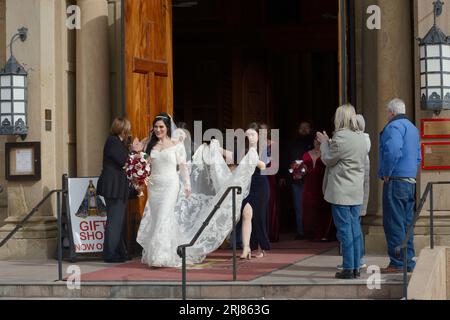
[257, 60]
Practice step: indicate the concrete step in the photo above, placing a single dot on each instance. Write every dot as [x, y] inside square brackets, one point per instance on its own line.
[297, 270]
[351, 289]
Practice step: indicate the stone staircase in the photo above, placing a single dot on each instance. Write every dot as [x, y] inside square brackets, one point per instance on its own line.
[304, 278]
[211, 290]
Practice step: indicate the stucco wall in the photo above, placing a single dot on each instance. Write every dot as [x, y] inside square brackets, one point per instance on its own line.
[424, 23]
[3, 199]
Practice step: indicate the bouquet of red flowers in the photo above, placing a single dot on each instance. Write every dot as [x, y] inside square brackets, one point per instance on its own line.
[138, 170]
[297, 169]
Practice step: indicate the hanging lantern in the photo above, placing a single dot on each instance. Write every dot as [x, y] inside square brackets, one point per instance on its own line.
[435, 67]
[13, 94]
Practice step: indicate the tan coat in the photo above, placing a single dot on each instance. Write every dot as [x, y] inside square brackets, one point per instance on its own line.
[345, 157]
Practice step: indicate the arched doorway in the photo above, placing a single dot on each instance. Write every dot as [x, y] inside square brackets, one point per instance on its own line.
[230, 62]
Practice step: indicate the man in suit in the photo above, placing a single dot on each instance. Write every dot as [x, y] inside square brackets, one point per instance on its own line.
[302, 144]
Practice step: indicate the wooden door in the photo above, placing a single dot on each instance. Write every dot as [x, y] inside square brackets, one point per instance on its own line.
[148, 76]
[256, 96]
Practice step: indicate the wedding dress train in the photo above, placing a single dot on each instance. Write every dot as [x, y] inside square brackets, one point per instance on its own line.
[170, 219]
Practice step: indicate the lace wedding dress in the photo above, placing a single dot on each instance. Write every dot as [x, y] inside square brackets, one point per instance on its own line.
[170, 219]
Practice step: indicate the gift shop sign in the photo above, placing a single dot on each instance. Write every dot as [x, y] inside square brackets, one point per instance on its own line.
[87, 212]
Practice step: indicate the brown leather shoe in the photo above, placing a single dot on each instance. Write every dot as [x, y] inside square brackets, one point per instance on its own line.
[391, 269]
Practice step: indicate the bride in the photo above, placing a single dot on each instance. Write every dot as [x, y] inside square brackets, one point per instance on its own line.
[177, 207]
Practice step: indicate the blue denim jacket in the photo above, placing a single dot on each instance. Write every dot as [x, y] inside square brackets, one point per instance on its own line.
[399, 149]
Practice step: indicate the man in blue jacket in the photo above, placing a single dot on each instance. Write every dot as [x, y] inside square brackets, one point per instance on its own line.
[398, 162]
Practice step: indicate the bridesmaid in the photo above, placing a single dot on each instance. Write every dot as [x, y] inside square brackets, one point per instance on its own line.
[254, 207]
[317, 219]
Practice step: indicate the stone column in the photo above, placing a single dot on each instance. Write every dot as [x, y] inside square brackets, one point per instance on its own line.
[387, 73]
[37, 239]
[3, 198]
[115, 51]
[423, 22]
[93, 106]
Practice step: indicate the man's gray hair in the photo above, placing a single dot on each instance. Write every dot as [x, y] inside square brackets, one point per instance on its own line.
[396, 106]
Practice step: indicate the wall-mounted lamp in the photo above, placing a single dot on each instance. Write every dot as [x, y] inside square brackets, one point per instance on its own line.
[13, 93]
[435, 67]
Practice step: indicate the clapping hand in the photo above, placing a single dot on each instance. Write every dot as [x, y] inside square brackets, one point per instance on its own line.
[322, 137]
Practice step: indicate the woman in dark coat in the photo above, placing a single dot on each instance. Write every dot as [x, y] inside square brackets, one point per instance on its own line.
[113, 186]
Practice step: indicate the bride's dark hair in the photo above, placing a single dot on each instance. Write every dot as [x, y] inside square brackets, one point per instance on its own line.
[153, 139]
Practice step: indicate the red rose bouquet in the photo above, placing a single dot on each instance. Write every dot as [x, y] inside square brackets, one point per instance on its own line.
[297, 169]
[138, 170]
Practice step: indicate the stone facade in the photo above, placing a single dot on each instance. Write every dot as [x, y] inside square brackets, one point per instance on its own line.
[48, 54]
[72, 75]
[423, 17]
[3, 198]
[389, 64]
[76, 75]
[385, 67]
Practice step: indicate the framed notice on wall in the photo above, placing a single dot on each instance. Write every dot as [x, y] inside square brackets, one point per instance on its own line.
[435, 128]
[23, 161]
[436, 156]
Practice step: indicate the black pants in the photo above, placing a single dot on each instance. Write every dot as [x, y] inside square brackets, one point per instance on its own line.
[114, 246]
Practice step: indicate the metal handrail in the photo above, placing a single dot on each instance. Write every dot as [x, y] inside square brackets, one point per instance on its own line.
[181, 250]
[404, 246]
[31, 213]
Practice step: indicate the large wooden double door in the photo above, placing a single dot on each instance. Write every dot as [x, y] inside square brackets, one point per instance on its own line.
[148, 61]
[148, 76]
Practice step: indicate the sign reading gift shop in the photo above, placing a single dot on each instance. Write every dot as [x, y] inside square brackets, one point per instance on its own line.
[87, 215]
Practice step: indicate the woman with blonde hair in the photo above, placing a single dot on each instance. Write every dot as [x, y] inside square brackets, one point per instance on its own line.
[345, 155]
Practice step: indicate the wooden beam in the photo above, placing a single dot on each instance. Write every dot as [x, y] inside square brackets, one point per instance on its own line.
[144, 66]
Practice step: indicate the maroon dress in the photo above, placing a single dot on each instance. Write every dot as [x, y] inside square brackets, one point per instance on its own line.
[317, 219]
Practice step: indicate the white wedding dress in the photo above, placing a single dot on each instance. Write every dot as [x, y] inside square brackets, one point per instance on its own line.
[170, 219]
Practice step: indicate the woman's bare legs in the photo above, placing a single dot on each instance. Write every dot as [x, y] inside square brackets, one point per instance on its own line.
[247, 215]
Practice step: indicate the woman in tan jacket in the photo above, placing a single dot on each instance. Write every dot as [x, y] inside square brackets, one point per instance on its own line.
[345, 155]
